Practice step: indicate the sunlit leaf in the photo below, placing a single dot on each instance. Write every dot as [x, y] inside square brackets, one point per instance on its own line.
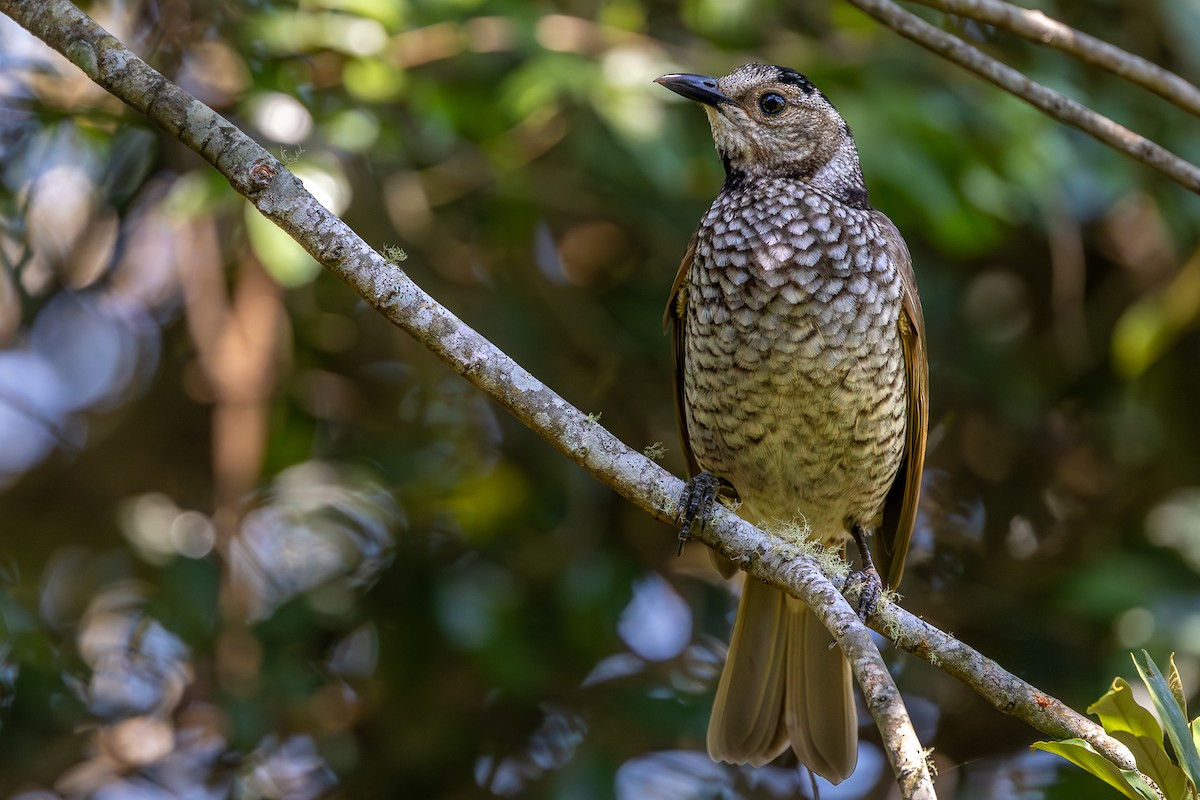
[390, 14]
[1172, 717]
[1176, 684]
[1082, 755]
[1155, 321]
[1137, 729]
[372, 80]
[1196, 733]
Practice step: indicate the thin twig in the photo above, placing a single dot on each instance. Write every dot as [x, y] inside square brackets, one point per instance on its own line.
[1034, 25]
[275, 192]
[1050, 102]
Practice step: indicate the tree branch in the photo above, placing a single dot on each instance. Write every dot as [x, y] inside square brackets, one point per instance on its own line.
[1034, 25]
[769, 557]
[1053, 104]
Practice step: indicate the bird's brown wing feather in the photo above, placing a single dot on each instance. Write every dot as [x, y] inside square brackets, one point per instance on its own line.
[900, 508]
[675, 318]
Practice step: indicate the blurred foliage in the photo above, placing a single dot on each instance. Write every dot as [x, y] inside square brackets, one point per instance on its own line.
[254, 542]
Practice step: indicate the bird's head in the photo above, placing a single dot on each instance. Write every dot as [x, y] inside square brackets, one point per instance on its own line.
[772, 121]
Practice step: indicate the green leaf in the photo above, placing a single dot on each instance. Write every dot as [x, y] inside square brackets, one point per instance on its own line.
[1136, 728]
[1172, 717]
[1118, 711]
[1082, 755]
[1176, 684]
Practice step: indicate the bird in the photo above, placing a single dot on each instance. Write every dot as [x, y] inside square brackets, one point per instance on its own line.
[801, 376]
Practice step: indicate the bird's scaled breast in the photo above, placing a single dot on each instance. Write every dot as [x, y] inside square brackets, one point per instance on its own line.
[788, 272]
[794, 372]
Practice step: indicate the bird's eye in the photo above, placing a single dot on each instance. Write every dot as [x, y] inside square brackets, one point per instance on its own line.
[771, 103]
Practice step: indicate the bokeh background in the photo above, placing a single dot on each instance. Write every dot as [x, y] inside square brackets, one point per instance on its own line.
[254, 542]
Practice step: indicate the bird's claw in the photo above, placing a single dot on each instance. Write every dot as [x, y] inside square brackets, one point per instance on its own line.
[868, 577]
[871, 591]
[695, 504]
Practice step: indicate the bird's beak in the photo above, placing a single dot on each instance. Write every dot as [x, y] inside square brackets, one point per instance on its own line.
[700, 88]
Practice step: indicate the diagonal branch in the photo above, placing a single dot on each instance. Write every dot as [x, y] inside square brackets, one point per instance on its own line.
[1034, 25]
[1054, 104]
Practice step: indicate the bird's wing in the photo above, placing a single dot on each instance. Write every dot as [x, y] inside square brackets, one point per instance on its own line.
[675, 318]
[900, 508]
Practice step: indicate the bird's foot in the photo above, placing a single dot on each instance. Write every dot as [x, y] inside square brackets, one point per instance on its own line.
[871, 591]
[695, 504]
[867, 577]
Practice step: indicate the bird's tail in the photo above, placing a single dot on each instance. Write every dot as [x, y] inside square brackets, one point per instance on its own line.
[782, 683]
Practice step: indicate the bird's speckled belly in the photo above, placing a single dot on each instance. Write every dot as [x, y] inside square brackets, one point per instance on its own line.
[794, 377]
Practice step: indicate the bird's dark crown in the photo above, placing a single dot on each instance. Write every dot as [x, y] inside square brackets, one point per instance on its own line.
[791, 77]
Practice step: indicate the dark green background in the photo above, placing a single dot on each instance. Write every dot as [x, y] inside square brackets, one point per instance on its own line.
[440, 603]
